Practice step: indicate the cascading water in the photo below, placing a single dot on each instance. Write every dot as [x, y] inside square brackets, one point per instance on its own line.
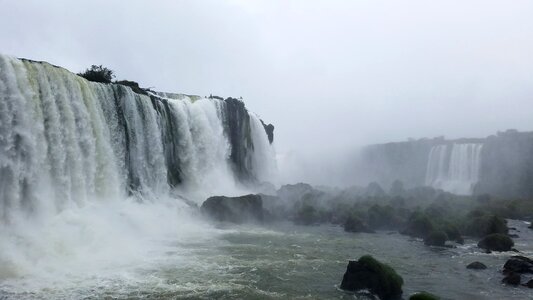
[454, 169]
[84, 165]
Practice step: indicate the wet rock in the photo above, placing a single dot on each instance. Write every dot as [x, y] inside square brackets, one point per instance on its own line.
[436, 238]
[512, 235]
[476, 266]
[423, 296]
[480, 224]
[370, 274]
[418, 225]
[248, 208]
[496, 242]
[269, 129]
[529, 284]
[354, 224]
[512, 279]
[518, 264]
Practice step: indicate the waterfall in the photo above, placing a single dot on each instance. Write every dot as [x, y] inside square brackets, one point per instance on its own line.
[65, 141]
[454, 168]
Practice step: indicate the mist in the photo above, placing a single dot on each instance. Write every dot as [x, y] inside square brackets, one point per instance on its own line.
[330, 76]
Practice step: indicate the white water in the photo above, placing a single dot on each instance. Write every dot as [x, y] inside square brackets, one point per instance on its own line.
[454, 169]
[84, 193]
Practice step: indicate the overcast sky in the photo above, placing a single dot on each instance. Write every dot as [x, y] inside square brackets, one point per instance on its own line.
[328, 74]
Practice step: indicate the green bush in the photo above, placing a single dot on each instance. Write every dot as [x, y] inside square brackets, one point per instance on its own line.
[436, 238]
[496, 242]
[482, 225]
[418, 225]
[98, 74]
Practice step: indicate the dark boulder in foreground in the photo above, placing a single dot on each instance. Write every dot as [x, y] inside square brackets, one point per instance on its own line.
[496, 242]
[354, 224]
[248, 208]
[423, 296]
[476, 266]
[369, 274]
[518, 264]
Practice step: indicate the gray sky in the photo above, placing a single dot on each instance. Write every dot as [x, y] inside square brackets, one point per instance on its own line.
[328, 74]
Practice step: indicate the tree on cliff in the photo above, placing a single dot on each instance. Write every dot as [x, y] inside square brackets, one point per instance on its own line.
[98, 74]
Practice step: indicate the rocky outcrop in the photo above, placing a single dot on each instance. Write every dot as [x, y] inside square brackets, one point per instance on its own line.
[269, 129]
[355, 224]
[476, 266]
[496, 242]
[506, 163]
[436, 238]
[518, 264]
[423, 296]
[418, 225]
[369, 274]
[248, 208]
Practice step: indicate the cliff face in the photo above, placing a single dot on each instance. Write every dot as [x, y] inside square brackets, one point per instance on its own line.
[500, 165]
[507, 165]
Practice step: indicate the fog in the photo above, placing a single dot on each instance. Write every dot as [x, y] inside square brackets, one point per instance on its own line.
[330, 75]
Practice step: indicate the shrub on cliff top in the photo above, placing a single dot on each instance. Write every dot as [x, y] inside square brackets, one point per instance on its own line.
[98, 74]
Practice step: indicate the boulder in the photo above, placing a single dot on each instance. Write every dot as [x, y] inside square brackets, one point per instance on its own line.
[369, 274]
[436, 238]
[512, 279]
[480, 224]
[248, 208]
[496, 242]
[518, 264]
[354, 224]
[476, 266]
[418, 225]
[529, 284]
[423, 296]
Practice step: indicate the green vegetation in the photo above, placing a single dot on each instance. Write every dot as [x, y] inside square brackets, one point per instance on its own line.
[480, 223]
[368, 273]
[419, 225]
[98, 74]
[496, 242]
[436, 238]
[418, 212]
[388, 278]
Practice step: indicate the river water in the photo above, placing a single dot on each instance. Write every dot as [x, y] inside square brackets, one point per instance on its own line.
[277, 261]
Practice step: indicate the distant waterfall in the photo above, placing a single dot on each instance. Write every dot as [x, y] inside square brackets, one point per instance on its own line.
[66, 141]
[454, 168]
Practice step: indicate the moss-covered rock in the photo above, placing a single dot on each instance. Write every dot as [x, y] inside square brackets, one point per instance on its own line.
[436, 238]
[368, 273]
[423, 296]
[418, 225]
[307, 215]
[355, 224]
[496, 242]
[476, 266]
[452, 231]
[484, 224]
